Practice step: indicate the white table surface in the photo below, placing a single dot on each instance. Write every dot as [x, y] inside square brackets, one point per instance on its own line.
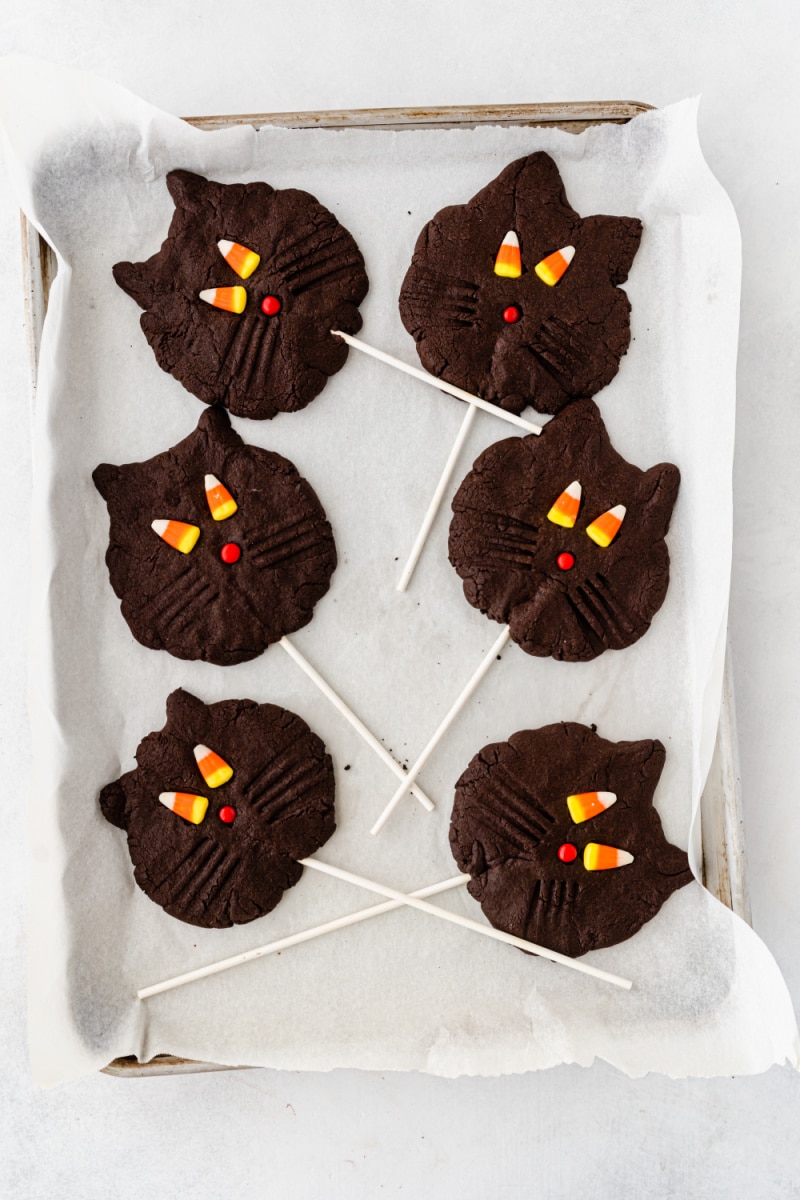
[566, 1132]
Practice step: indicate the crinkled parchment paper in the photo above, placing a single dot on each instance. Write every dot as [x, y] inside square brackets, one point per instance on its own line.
[403, 991]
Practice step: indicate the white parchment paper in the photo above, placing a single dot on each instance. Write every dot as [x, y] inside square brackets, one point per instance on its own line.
[404, 991]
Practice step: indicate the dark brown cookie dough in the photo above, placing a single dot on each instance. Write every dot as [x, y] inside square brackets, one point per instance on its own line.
[255, 364]
[567, 340]
[510, 818]
[507, 551]
[196, 605]
[229, 869]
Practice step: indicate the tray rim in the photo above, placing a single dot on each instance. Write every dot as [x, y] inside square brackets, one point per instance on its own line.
[564, 113]
[723, 850]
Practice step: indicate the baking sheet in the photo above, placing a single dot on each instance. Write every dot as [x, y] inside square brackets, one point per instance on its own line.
[405, 991]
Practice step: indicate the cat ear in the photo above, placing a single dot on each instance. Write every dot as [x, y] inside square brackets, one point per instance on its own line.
[658, 492]
[190, 191]
[582, 436]
[215, 423]
[539, 177]
[648, 758]
[112, 802]
[106, 479]
[187, 714]
[618, 238]
[137, 279]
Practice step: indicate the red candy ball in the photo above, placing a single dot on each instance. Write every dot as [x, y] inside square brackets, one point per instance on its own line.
[511, 314]
[567, 853]
[227, 814]
[566, 561]
[270, 306]
[230, 552]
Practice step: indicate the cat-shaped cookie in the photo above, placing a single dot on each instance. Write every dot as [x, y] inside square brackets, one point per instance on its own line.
[562, 539]
[223, 802]
[242, 296]
[217, 549]
[515, 298]
[557, 828]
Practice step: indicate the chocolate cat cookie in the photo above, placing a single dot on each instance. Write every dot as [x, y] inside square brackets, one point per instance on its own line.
[557, 828]
[242, 296]
[224, 801]
[515, 298]
[217, 548]
[562, 539]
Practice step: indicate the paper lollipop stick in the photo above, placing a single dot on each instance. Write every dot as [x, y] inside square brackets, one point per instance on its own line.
[355, 721]
[410, 776]
[438, 496]
[441, 384]
[294, 939]
[473, 402]
[465, 922]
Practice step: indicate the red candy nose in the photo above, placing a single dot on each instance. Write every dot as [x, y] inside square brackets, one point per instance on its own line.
[230, 552]
[566, 561]
[567, 853]
[511, 314]
[227, 814]
[270, 305]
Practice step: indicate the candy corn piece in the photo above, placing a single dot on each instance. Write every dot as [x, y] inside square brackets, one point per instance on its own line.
[191, 808]
[509, 260]
[220, 501]
[565, 510]
[214, 769]
[177, 534]
[232, 299]
[551, 269]
[606, 527]
[585, 805]
[242, 260]
[605, 858]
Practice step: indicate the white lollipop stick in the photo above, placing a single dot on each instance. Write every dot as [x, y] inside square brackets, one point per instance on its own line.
[473, 402]
[451, 390]
[355, 721]
[465, 922]
[438, 496]
[410, 776]
[294, 939]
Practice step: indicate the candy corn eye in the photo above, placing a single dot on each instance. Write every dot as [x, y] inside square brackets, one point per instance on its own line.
[184, 804]
[551, 269]
[509, 260]
[239, 258]
[585, 805]
[214, 769]
[606, 527]
[177, 534]
[565, 510]
[229, 299]
[605, 858]
[220, 502]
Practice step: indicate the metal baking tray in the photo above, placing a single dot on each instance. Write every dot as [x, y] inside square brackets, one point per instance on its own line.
[724, 868]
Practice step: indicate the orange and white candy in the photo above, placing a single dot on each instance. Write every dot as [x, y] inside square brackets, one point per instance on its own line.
[177, 534]
[509, 260]
[230, 299]
[606, 527]
[214, 769]
[220, 501]
[605, 858]
[565, 510]
[191, 808]
[242, 260]
[585, 805]
[551, 269]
